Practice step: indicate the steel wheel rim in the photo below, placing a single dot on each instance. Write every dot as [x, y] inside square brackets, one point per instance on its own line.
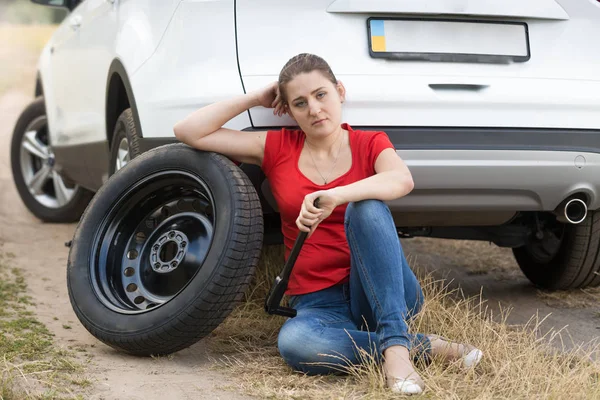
[123, 155]
[37, 161]
[167, 217]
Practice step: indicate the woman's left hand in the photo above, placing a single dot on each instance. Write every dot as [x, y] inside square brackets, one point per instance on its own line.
[310, 216]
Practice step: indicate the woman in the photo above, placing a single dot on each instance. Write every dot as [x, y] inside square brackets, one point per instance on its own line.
[351, 284]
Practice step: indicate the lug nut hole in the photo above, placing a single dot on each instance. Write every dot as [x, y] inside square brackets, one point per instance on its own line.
[140, 237]
[132, 254]
[132, 287]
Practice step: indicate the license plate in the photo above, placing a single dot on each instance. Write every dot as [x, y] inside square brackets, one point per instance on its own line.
[448, 40]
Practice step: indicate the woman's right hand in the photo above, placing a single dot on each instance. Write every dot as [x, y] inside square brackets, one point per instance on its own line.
[269, 97]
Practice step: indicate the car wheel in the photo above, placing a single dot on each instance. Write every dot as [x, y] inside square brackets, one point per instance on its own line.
[125, 145]
[165, 250]
[42, 189]
[566, 257]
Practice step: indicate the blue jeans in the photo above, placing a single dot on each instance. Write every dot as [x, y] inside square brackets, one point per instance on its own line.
[369, 312]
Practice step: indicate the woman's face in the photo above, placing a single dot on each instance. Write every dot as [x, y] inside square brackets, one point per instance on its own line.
[315, 103]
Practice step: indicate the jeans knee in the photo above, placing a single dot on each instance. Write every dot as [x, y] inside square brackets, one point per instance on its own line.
[366, 212]
[301, 347]
[292, 342]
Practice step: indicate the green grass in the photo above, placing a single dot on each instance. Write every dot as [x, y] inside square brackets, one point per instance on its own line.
[31, 365]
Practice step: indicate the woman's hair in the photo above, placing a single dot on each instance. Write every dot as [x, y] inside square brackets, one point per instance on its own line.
[302, 64]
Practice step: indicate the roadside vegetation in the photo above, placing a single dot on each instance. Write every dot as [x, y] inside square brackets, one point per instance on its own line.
[31, 365]
[519, 362]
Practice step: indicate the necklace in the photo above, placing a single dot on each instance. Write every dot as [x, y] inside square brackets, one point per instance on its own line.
[335, 162]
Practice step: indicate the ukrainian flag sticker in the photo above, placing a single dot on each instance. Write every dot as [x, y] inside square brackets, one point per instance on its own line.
[377, 35]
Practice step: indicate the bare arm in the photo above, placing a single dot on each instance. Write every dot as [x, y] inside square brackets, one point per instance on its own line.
[204, 130]
[392, 180]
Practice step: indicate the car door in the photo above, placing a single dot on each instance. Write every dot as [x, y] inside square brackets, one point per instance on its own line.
[95, 48]
[61, 98]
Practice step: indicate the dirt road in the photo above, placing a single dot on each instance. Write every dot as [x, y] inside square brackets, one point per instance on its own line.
[40, 252]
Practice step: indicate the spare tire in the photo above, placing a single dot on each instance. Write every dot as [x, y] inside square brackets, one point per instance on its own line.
[165, 250]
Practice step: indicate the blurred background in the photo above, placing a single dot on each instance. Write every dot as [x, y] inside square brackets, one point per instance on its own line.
[24, 29]
[25, 12]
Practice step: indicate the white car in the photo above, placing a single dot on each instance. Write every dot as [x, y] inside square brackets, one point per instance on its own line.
[494, 106]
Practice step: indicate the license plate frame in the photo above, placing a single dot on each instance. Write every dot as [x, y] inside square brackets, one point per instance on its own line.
[464, 57]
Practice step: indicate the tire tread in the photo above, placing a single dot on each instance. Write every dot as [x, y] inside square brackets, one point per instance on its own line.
[577, 263]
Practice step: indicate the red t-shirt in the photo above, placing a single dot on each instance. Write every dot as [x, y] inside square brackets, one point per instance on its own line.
[325, 257]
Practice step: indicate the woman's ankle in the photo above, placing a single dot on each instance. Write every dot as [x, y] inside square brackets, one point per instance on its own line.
[396, 351]
[398, 364]
[447, 349]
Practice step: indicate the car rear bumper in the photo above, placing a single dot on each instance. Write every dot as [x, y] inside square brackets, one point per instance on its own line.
[498, 180]
[485, 175]
[477, 172]
[496, 169]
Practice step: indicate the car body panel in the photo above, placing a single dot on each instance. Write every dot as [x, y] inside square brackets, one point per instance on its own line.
[142, 24]
[187, 73]
[180, 55]
[498, 180]
[559, 81]
[61, 58]
[94, 48]
[77, 60]
[544, 9]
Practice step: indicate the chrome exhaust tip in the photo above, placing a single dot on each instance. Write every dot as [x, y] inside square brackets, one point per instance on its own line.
[572, 211]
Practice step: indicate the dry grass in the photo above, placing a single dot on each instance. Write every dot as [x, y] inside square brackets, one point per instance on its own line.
[518, 363]
[20, 46]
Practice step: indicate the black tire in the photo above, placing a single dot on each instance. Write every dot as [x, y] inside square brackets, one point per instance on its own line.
[124, 129]
[69, 212]
[217, 271]
[572, 262]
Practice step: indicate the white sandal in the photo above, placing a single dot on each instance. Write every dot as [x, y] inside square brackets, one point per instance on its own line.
[472, 358]
[405, 386]
[469, 360]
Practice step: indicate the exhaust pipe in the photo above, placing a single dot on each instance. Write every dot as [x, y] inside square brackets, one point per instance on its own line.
[571, 211]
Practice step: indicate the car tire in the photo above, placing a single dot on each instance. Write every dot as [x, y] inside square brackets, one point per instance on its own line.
[125, 144]
[119, 279]
[50, 198]
[568, 256]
